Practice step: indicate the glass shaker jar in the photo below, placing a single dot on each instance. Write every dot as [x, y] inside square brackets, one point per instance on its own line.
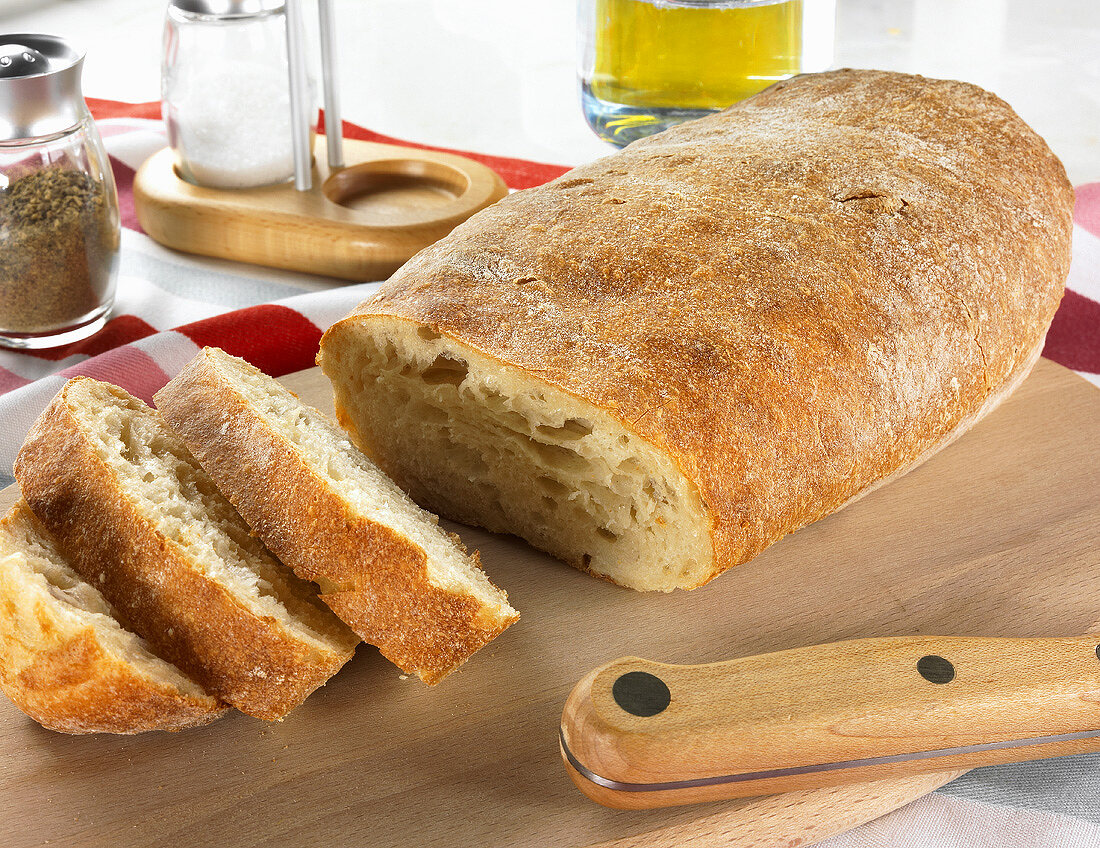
[225, 92]
[59, 224]
[646, 65]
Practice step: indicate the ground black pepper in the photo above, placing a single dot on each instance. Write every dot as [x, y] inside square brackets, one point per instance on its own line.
[58, 243]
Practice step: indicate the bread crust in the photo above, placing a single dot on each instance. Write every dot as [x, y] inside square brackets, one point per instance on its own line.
[56, 669]
[249, 661]
[73, 685]
[374, 578]
[794, 299]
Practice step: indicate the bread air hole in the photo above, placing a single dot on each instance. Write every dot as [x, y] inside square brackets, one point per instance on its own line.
[573, 428]
[556, 457]
[444, 370]
[483, 446]
[554, 487]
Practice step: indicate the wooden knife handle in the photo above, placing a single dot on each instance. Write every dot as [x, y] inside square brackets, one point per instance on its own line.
[636, 733]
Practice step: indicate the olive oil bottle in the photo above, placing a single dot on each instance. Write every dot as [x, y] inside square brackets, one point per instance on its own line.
[648, 64]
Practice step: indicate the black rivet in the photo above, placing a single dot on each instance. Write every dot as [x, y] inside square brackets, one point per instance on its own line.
[936, 669]
[1098, 652]
[641, 693]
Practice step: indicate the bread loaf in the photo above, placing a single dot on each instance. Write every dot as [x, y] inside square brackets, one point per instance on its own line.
[383, 564]
[64, 659]
[664, 361]
[137, 518]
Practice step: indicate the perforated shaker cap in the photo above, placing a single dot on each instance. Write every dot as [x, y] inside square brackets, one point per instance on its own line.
[39, 86]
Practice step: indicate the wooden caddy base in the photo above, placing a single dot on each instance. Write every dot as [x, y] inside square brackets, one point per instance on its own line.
[359, 223]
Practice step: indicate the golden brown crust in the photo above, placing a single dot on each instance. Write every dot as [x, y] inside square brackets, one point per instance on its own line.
[249, 661]
[77, 687]
[794, 298]
[372, 577]
[55, 668]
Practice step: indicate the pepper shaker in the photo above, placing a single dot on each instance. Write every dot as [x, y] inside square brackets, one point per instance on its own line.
[59, 223]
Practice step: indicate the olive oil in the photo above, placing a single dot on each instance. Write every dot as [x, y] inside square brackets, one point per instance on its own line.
[654, 63]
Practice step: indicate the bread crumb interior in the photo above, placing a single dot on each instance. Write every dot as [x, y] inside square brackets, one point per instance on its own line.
[488, 444]
[157, 471]
[358, 481]
[29, 557]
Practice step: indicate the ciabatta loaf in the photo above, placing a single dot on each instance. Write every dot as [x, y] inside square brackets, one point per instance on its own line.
[383, 564]
[659, 364]
[140, 520]
[66, 661]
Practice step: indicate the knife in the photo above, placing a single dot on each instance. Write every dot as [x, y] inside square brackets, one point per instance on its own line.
[637, 734]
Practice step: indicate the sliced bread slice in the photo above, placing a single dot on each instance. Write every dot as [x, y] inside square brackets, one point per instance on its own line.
[384, 565]
[66, 661]
[139, 519]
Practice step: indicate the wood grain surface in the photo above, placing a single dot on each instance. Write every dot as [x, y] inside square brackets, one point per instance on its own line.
[824, 715]
[995, 536]
[360, 223]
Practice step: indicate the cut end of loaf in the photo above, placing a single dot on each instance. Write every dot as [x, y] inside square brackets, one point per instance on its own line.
[489, 444]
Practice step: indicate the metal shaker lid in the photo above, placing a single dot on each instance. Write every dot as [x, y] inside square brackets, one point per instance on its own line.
[228, 8]
[39, 86]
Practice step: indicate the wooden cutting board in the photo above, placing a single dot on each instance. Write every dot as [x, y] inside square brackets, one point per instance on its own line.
[997, 535]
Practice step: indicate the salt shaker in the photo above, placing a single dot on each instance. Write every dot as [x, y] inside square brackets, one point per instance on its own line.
[225, 92]
[59, 223]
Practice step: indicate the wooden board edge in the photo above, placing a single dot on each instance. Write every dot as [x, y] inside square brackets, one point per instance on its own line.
[792, 819]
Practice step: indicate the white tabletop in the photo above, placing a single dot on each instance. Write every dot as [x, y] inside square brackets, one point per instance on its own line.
[498, 76]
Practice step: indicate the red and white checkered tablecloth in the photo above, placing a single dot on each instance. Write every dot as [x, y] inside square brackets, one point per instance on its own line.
[170, 304]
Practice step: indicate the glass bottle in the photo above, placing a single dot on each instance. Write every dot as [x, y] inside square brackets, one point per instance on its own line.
[59, 222]
[646, 65]
[225, 92]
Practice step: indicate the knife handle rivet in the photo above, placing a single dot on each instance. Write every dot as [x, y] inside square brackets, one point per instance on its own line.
[935, 669]
[641, 693]
[1098, 652]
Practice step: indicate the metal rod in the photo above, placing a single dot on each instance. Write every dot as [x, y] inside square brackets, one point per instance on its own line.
[300, 117]
[334, 129]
